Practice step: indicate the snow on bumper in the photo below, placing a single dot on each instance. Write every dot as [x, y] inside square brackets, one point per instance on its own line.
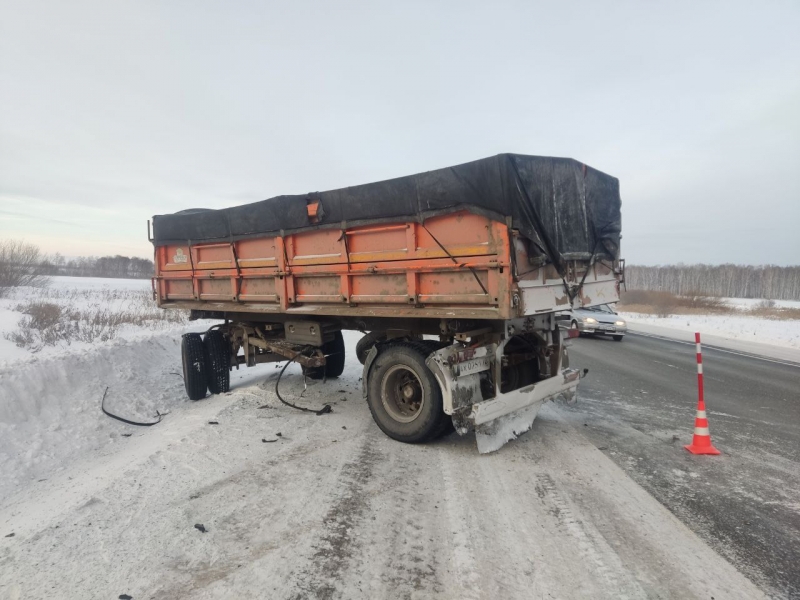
[501, 418]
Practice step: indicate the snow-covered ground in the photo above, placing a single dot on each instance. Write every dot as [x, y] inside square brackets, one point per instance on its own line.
[296, 505]
[753, 302]
[86, 294]
[739, 330]
[742, 328]
[49, 399]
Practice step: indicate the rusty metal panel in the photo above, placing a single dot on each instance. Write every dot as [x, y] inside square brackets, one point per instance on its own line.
[212, 256]
[178, 289]
[324, 246]
[215, 289]
[456, 287]
[367, 244]
[258, 289]
[174, 258]
[259, 252]
[390, 288]
[317, 289]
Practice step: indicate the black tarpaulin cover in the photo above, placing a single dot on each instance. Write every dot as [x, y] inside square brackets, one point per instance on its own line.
[565, 208]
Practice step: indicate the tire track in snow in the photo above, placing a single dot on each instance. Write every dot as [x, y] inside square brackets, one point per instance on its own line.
[336, 544]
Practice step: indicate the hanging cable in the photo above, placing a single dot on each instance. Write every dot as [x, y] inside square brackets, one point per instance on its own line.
[322, 411]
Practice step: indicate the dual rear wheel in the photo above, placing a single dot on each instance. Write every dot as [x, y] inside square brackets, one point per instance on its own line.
[206, 364]
[207, 361]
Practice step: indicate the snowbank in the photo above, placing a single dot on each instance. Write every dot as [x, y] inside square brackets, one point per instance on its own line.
[50, 408]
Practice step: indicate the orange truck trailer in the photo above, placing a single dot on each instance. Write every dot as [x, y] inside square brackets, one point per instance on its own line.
[455, 277]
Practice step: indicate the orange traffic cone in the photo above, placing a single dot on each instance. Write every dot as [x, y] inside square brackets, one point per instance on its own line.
[701, 442]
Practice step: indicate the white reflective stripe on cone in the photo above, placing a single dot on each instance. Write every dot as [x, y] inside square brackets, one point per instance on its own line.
[700, 368]
[701, 431]
[701, 414]
[698, 348]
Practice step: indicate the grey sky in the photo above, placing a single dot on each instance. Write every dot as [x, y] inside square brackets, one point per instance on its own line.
[111, 112]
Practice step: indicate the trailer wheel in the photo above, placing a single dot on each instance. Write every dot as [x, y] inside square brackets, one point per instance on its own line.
[194, 366]
[366, 343]
[403, 395]
[334, 359]
[218, 362]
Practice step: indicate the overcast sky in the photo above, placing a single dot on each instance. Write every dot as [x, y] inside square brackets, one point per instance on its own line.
[111, 112]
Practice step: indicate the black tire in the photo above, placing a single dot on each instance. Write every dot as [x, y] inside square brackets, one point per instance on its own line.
[412, 410]
[427, 347]
[218, 362]
[366, 343]
[617, 338]
[193, 357]
[334, 359]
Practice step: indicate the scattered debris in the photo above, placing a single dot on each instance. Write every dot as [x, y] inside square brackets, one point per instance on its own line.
[341, 391]
[125, 597]
[213, 422]
[266, 441]
[279, 434]
[126, 434]
[200, 527]
[12, 534]
[602, 447]
[129, 422]
[343, 427]
[194, 496]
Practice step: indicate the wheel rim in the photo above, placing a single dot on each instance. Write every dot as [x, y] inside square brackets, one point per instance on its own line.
[402, 394]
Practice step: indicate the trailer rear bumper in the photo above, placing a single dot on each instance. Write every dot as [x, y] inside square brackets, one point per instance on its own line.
[488, 410]
[458, 371]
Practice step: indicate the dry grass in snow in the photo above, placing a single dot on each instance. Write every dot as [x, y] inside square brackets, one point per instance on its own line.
[62, 315]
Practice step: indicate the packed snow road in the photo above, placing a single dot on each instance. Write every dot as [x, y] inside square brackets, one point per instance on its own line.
[296, 505]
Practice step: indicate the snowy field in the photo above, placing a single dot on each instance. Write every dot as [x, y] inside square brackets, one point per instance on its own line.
[753, 302]
[741, 328]
[93, 310]
[738, 326]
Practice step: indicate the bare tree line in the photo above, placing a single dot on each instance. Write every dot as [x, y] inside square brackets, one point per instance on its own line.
[122, 267]
[23, 264]
[729, 281]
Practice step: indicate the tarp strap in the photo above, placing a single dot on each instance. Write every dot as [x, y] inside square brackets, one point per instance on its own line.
[474, 274]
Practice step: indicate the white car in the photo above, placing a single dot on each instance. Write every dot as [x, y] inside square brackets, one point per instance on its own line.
[597, 320]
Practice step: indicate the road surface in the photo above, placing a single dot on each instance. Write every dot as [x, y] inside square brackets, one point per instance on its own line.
[226, 499]
[638, 404]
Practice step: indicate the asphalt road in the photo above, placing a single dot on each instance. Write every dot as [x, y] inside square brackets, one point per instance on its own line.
[638, 404]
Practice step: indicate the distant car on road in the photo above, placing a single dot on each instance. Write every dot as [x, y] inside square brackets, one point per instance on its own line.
[596, 320]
